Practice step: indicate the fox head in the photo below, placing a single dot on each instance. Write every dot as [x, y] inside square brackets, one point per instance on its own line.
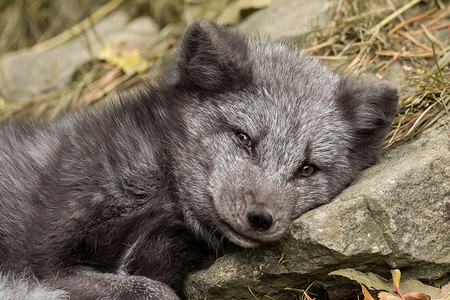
[267, 133]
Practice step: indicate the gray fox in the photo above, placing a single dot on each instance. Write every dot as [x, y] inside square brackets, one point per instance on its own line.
[238, 138]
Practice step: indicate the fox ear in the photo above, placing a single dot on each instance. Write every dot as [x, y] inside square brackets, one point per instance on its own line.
[370, 107]
[211, 58]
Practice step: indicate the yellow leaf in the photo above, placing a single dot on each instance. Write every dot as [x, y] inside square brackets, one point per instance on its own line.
[129, 60]
[107, 52]
[396, 275]
[132, 62]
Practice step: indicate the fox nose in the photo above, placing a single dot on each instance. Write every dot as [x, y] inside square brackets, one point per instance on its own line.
[259, 219]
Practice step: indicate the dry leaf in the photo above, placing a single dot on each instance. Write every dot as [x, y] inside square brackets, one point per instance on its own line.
[444, 294]
[388, 296]
[416, 296]
[406, 296]
[367, 295]
[371, 280]
[375, 282]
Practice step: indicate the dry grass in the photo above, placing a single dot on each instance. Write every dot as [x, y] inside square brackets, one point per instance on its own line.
[89, 85]
[371, 39]
[363, 38]
[24, 23]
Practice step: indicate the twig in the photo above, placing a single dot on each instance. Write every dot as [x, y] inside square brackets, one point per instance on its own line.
[321, 45]
[413, 19]
[363, 61]
[420, 118]
[332, 57]
[392, 16]
[431, 29]
[394, 58]
[361, 54]
[421, 53]
[350, 44]
[356, 60]
[101, 87]
[394, 134]
[439, 17]
[413, 40]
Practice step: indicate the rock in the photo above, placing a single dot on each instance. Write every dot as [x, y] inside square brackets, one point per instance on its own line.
[286, 19]
[32, 70]
[395, 215]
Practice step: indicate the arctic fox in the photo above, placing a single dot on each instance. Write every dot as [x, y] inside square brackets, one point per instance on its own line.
[240, 137]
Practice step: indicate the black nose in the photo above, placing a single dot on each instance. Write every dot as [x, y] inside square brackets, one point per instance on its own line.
[259, 219]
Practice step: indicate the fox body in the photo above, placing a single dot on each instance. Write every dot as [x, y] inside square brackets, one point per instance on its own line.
[240, 137]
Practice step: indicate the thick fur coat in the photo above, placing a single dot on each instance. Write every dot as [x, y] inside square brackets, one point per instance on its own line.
[239, 138]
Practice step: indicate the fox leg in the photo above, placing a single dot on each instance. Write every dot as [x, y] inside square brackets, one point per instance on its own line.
[88, 284]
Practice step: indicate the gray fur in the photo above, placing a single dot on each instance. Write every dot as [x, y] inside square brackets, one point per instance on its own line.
[122, 203]
[24, 288]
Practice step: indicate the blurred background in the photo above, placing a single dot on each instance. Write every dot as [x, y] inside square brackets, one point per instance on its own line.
[60, 55]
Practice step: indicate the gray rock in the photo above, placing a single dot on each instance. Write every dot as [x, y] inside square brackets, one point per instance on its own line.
[32, 70]
[286, 19]
[395, 215]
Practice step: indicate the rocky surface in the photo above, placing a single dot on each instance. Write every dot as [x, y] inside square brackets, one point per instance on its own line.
[33, 70]
[286, 19]
[396, 215]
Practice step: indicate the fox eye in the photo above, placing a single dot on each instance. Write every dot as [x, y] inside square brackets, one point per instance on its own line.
[244, 139]
[306, 170]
